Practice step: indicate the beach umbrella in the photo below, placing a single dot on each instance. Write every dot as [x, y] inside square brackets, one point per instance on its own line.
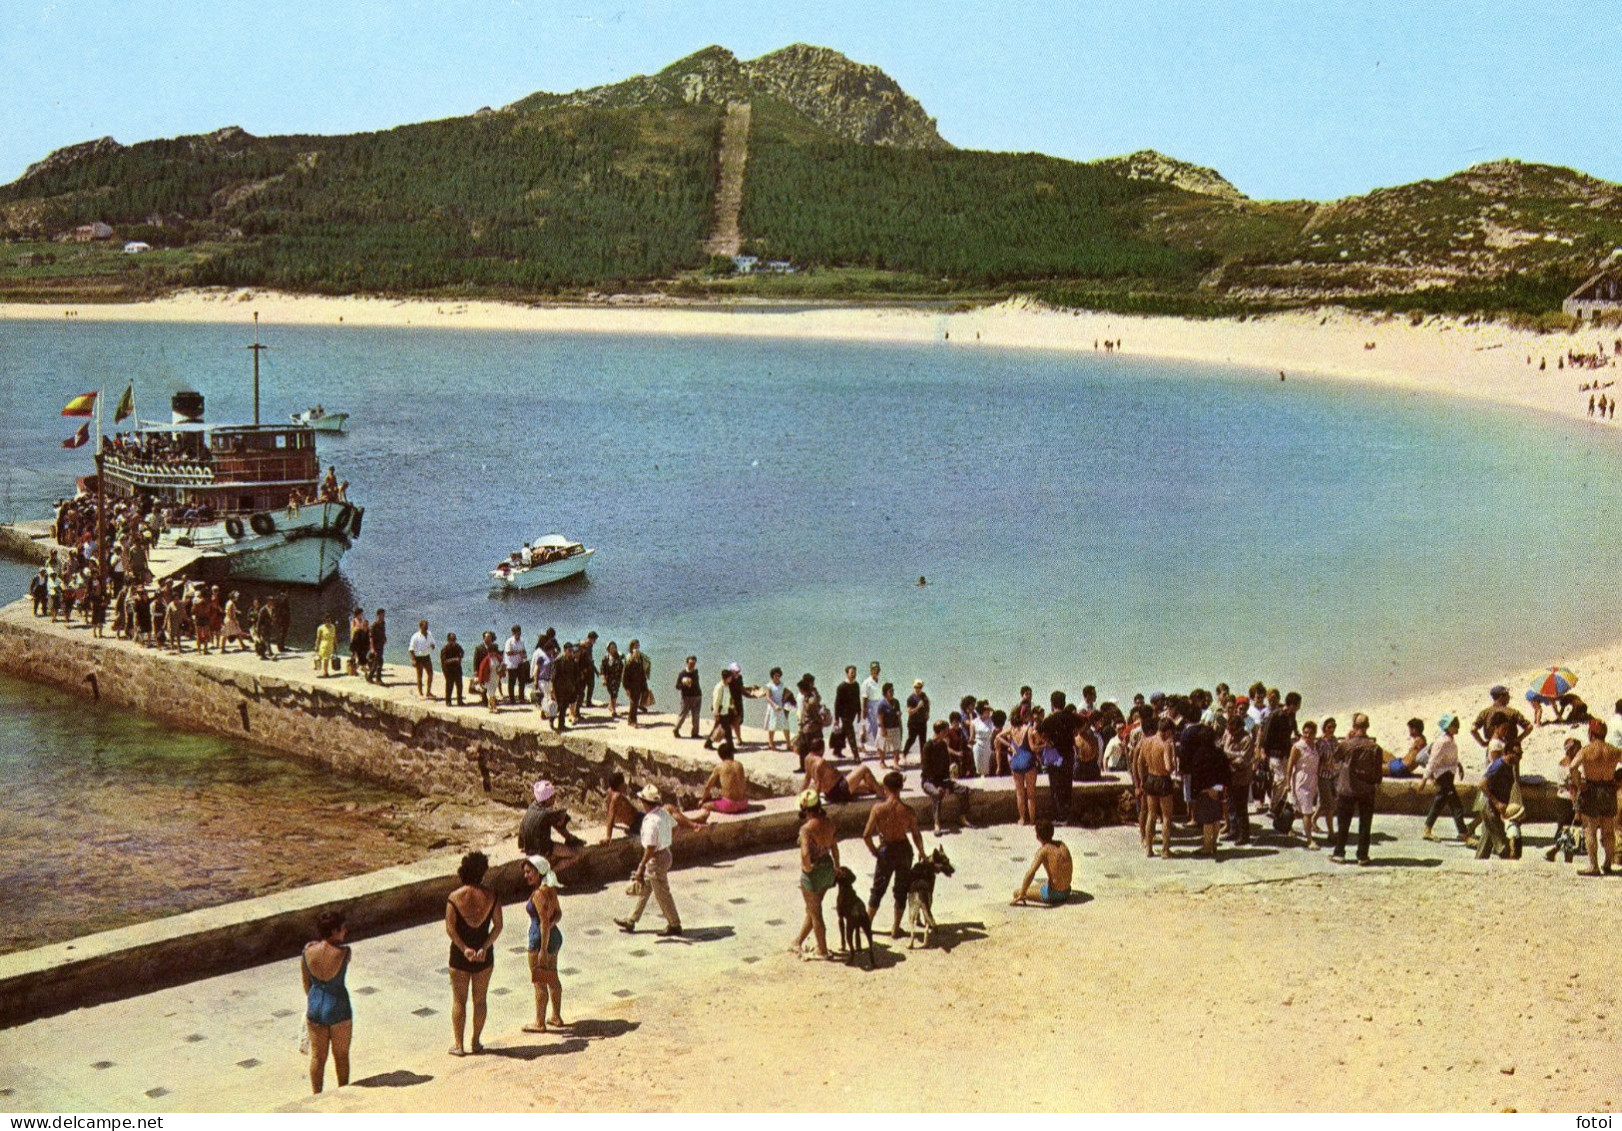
[1554, 682]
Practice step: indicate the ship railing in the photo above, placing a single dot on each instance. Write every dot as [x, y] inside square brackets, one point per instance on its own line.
[164, 474]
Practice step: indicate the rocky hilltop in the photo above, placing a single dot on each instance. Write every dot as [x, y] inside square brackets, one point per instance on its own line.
[1147, 165]
[850, 100]
[71, 154]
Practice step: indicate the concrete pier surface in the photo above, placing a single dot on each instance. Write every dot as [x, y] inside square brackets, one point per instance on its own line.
[1149, 957]
[382, 732]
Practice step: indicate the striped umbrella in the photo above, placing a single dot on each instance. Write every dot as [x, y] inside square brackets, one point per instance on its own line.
[1554, 682]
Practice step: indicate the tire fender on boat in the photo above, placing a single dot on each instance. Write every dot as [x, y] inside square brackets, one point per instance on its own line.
[233, 527]
[262, 523]
[354, 525]
[345, 514]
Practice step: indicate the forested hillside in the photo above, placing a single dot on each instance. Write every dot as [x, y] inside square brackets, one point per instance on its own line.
[845, 177]
[978, 218]
[502, 201]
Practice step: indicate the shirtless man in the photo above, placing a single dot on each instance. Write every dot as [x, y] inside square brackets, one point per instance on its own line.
[1596, 765]
[1052, 857]
[1155, 770]
[893, 822]
[835, 787]
[727, 791]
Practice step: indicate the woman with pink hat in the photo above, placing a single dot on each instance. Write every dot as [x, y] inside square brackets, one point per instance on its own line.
[540, 821]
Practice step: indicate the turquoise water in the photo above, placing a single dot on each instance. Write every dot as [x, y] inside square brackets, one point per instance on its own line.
[111, 818]
[1080, 518]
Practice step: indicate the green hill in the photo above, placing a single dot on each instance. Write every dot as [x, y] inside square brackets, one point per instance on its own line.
[847, 178]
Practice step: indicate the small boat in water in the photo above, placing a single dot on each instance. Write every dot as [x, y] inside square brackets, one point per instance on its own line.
[321, 420]
[543, 561]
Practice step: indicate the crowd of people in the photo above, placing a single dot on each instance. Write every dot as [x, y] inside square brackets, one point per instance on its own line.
[1222, 766]
[170, 615]
[158, 450]
[1215, 759]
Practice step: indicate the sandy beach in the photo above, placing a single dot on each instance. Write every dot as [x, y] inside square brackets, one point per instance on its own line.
[1441, 355]
[1445, 357]
[1364, 970]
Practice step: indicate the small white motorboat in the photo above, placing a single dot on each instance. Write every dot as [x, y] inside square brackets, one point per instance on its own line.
[321, 420]
[541, 562]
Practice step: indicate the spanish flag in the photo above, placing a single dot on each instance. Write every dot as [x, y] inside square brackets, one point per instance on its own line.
[80, 438]
[126, 405]
[82, 405]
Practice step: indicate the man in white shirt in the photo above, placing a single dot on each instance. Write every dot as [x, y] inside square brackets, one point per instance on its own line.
[422, 650]
[658, 826]
[1442, 769]
[872, 696]
[515, 658]
[541, 668]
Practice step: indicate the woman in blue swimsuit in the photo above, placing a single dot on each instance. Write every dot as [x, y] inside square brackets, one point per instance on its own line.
[544, 912]
[323, 966]
[1026, 745]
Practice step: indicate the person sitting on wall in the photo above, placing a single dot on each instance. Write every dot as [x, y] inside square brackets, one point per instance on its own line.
[541, 820]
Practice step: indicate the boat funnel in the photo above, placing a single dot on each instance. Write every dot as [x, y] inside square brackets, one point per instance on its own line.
[186, 407]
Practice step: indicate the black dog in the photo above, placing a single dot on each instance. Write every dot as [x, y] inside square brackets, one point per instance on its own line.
[921, 895]
[853, 919]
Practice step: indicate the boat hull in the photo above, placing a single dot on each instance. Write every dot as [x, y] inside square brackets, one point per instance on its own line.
[333, 422]
[536, 576]
[302, 549]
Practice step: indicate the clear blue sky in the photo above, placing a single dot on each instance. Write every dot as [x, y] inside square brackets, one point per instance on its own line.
[1287, 98]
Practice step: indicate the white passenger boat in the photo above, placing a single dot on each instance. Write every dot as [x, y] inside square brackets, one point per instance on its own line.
[321, 420]
[541, 562]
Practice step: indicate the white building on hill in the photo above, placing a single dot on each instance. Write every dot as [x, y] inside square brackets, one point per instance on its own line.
[1600, 295]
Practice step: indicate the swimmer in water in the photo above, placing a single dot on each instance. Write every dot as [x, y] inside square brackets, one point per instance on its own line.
[921, 581]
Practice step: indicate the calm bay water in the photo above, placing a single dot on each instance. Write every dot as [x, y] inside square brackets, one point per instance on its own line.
[1111, 520]
[1124, 522]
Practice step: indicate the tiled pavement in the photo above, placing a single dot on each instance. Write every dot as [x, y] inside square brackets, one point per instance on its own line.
[230, 1042]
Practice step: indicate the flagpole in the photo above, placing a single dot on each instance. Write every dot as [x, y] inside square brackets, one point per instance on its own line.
[101, 499]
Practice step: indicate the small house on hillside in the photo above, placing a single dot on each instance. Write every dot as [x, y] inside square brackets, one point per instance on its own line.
[745, 264]
[1600, 295]
[87, 233]
[136, 247]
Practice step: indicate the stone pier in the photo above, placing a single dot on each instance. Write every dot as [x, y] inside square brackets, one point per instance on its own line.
[382, 733]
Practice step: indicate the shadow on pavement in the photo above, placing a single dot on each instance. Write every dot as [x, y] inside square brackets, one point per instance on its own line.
[1077, 898]
[949, 936]
[575, 1039]
[1404, 862]
[885, 957]
[608, 1027]
[1248, 853]
[399, 1078]
[691, 935]
[535, 1052]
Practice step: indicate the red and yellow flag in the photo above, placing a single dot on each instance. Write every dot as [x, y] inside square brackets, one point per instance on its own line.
[82, 405]
[80, 438]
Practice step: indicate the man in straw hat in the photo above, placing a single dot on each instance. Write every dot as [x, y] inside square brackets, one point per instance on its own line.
[653, 872]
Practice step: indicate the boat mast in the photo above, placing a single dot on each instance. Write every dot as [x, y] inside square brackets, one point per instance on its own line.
[256, 348]
[103, 577]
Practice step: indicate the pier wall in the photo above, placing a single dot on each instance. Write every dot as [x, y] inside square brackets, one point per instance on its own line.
[28, 541]
[341, 723]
